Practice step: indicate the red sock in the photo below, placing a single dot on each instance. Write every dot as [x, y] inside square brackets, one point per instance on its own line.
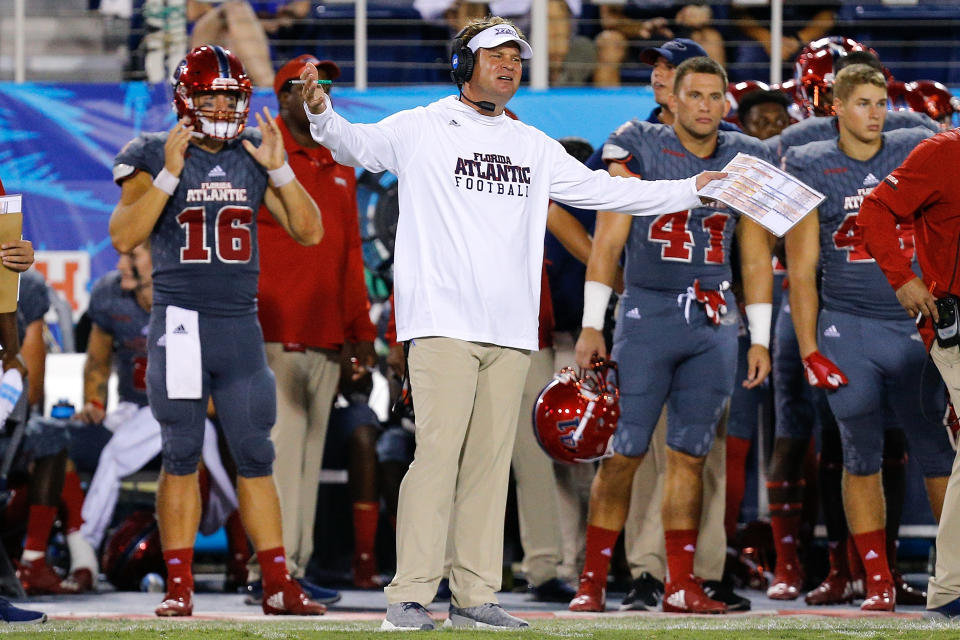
[236, 537]
[872, 546]
[72, 500]
[785, 523]
[39, 526]
[853, 560]
[737, 450]
[273, 568]
[365, 517]
[600, 543]
[681, 545]
[179, 567]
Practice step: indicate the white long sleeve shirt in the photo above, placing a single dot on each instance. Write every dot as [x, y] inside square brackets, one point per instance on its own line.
[473, 193]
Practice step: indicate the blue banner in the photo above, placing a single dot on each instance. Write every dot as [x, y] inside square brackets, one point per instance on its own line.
[59, 141]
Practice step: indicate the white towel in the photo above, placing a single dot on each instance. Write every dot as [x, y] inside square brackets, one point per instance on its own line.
[184, 368]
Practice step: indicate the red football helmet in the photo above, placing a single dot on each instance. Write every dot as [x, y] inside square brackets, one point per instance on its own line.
[934, 99]
[789, 88]
[735, 91]
[575, 416]
[837, 44]
[133, 551]
[813, 72]
[207, 69]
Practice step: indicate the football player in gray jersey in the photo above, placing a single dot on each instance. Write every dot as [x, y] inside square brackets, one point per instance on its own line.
[866, 351]
[668, 352]
[195, 192]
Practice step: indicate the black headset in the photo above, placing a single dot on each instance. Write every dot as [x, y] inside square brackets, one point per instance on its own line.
[462, 60]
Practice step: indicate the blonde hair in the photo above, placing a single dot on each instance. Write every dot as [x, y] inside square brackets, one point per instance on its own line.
[853, 76]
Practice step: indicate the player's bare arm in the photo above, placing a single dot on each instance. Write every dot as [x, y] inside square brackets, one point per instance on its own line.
[916, 298]
[568, 230]
[17, 255]
[10, 342]
[756, 262]
[609, 239]
[96, 374]
[141, 201]
[289, 202]
[803, 254]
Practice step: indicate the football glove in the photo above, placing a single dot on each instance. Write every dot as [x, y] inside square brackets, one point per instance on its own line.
[822, 372]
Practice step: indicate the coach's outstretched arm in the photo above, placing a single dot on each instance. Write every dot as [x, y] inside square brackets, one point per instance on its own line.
[574, 184]
[372, 146]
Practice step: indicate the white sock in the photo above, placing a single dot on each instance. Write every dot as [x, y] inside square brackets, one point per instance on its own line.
[82, 555]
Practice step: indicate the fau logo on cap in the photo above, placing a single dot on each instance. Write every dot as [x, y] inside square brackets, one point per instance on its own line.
[506, 30]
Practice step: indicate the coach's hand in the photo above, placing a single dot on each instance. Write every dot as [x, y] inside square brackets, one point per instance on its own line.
[822, 372]
[313, 95]
[590, 347]
[176, 145]
[916, 298]
[706, 177]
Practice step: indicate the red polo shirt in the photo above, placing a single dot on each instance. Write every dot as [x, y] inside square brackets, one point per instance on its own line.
[924, 191]
[315, 296]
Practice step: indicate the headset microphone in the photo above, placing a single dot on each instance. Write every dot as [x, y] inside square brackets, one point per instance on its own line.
[483, 104]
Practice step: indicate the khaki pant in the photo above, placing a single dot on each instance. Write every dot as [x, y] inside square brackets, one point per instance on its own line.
[536, 484]
[306, 385]
[643, 533]
[466, 397]
[573, 483]
[944, 586]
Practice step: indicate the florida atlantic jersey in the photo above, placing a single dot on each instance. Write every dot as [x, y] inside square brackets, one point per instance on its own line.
[814, 129]
[204, 246]
[852, 281]
[667, 252]
[117, 312]
[34, 301]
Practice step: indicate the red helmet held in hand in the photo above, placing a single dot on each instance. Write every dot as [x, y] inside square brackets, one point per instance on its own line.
[575, 416]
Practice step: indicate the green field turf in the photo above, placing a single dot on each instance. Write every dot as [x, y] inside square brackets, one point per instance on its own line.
[614, 628]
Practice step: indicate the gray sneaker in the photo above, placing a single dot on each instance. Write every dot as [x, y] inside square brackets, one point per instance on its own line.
[486, 616]
[407, 616]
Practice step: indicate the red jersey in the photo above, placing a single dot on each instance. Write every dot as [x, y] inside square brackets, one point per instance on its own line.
[925, 192]
[315, 296]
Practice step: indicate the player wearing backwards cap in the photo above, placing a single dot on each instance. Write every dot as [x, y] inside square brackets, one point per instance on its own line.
[474, 188]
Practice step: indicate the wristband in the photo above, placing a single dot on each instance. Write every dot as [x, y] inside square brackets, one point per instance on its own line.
[596, 297]
[281, 175]
[166, 182]
[96, 403]
[759, 316]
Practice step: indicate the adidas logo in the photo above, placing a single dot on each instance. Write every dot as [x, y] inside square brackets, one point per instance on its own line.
[870, 180]
[831, 332]
[218, 172]
[690, 548]
[634, 314]
[787, 539]
[608, 552]
[276, 601]
[916, 336]
[180, 330]
[453, 123]
[340, 181]
[871, 555]
[678, 599]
